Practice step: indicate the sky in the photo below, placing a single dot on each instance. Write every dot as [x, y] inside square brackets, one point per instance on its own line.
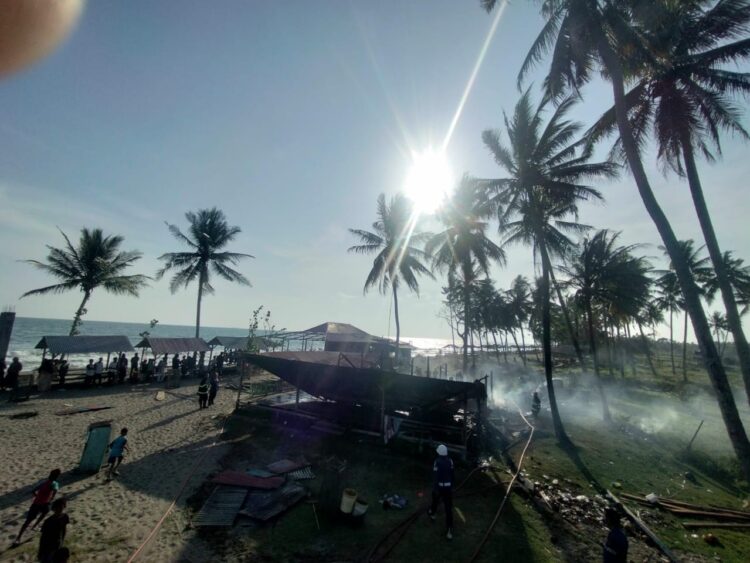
[291, 116]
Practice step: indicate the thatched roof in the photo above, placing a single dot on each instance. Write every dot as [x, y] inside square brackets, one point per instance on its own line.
[173, 345]
[85, 344]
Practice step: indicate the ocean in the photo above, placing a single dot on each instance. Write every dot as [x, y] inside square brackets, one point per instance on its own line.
[27, 332]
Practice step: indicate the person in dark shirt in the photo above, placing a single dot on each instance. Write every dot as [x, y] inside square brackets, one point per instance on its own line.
[43, 493]
[134, 368]
[2, 374]
[62, 555]
[176, 365]
[53, 532]
[615, 549]
[203, 393]
[11, 378]
[62, 372]
[442, 470]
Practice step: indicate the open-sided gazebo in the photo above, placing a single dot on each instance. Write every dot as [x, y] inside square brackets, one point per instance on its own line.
[161, 346]
[83, 344]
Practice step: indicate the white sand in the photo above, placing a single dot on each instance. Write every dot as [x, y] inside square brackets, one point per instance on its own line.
[110, 520]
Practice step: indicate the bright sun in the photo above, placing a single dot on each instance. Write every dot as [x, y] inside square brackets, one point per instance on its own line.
[428, 181]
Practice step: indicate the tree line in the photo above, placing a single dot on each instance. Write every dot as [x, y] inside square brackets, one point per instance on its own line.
[672, 70]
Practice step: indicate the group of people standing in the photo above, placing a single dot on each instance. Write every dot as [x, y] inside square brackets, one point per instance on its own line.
[9, 374]
[208, 388]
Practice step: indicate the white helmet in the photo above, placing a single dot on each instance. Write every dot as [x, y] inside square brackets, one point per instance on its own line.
[442, 450]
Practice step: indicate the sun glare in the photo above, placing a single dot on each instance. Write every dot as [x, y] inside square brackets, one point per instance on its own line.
[428, 181]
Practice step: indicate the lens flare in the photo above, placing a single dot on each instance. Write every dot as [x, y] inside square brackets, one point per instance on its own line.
[429, 180]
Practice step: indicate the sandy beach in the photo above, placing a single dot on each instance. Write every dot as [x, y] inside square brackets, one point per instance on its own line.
[168, 440]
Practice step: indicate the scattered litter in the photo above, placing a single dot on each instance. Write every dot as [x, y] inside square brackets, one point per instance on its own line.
[617, 485]
[393, 501]
[160, 396]
[262, 473]
[302, 474]
[81, 410]
[265, 505]
[286, 465]
[239, 479]
[653, 498]
[221, 507]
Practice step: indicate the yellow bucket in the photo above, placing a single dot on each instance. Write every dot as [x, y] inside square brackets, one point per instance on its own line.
[348, 498]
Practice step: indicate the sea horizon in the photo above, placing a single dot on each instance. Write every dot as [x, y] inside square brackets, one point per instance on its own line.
[28, 331]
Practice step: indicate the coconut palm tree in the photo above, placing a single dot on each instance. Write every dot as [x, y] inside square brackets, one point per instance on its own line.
[462, 247]
[739, 280]
[586, 36]
[606, 277]
[96, 261]
[670, 299]
[683, 95]
[720, 326]
[519, 301]
[208, 233]
[397, 259]
[538, 202]
[650, 315]
[702, 273]
[545, 157]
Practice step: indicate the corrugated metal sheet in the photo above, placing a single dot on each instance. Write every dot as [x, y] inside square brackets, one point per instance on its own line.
[221, 507]
[85, 344]
[231, 342]
[161, 346]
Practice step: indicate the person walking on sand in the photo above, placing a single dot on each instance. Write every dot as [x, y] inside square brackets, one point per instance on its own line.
[203, 393]
[43, 493]
[213, 386]
[117, 449]
[442, 470]
[53, 532]
[615, 550]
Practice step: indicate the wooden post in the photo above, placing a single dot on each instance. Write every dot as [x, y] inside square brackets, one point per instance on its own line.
[690, 445]
[412, 366]
[428, 366]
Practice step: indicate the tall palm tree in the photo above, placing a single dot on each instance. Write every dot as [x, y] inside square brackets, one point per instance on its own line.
[392, 239]
[719, 325]
[609, 278]
[683, 92]
[462, 247]
[702, 273]
[670, 299]
[519, 301]
[96, 261]
[545, 158]
[589, 35]
[739, 280]
[208, 233]
[538, 202]
[650, 315]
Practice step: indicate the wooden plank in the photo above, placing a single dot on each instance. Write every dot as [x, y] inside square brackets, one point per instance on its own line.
[221, 507]
[692, 525]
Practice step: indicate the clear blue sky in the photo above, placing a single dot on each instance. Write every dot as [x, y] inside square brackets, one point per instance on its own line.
[290, 116]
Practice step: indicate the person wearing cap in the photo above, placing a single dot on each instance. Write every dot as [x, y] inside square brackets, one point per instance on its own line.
[442, 470]
[616, 547]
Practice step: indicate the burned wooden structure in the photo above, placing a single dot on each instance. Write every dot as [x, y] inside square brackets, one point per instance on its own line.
[393, 405]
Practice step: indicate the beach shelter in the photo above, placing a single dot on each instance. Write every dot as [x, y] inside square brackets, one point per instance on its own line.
[161, 346]
[84, 344]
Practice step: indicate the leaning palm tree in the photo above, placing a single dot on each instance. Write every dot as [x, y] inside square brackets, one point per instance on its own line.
[96, 261]
[392, 239]
[670, 299]
[586, 36]
[208, 233]
[684, 93]
[462, 247]
[537, 204]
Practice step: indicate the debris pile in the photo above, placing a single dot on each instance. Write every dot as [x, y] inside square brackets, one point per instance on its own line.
[713, 516]
[568, 502]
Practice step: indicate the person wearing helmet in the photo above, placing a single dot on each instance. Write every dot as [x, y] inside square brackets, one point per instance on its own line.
[442, 470]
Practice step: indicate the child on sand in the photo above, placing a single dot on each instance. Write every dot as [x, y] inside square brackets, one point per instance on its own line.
[43, 493]
[53, 532]
[203, 393]
[116, 450]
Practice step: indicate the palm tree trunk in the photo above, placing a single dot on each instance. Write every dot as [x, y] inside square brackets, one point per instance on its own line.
[684, 350]
[592, 345]
[620, 355]
[630, 354]
[77, 319]
[515, 341]
[712, 244]
[647, 350]
[467, 324]
[671, 338]
[702, 331]
[560, 433]
[198, 308]
[610, 361]
[398, 323]
[497, 350]
[568, 324]
[523, 342]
